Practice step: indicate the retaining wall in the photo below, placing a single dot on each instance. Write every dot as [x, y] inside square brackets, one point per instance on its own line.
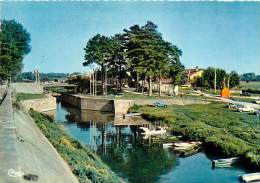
[43, 104]
[31, 88]
[120, 106]
[88, 103]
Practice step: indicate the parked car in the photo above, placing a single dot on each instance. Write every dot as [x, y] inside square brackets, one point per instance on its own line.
[245, 93]
[232, 106]
[257, 101]
[246, 109]
[160, 104]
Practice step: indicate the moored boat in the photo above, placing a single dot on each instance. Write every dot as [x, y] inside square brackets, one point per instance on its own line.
[251, 177]
[157, 131]
[186, 144]
[228, 162]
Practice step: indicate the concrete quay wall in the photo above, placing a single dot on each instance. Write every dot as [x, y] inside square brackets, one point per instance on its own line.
[95, 104]
[119, 106]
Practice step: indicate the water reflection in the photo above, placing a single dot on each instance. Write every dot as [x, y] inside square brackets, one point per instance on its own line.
[119, 144]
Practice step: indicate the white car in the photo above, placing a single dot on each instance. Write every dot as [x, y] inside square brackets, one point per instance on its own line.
[257, 101]
[246, 109]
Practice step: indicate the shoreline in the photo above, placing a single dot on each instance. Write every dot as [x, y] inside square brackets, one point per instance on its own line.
[84, 164]
[214, 140]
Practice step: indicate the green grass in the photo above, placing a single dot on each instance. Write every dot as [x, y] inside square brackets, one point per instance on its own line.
[23, 96]
[82, 161]
[253, 85]
[244, 99]
[229, 132]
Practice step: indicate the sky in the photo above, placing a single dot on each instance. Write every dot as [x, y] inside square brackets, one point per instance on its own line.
[218, 34]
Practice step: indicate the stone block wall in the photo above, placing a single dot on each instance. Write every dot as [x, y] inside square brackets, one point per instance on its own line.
[30, 88]
[43, 104]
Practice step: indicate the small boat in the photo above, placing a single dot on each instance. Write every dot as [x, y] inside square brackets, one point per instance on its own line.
[221, 163]
[132, 114]
[167, 145]
[157, 131]
[250, 177]
[186, 144]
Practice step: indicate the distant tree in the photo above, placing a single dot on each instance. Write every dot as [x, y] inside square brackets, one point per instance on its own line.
[14, 45]
[248, 77]
[233, 79]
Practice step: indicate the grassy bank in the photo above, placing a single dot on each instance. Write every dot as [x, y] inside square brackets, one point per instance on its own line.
[223, 130]
[82, 161]
[25, 96]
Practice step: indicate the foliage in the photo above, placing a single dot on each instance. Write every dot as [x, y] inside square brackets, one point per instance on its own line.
[223, 79]
[141, 51]
[43, 76]
[250, 77]
[82, 161]
[99, 51]
[233, 79]
[26, 96]
[232, 133]
[149, 55]
[14, 45]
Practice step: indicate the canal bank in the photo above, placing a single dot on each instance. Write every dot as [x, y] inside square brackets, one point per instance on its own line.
[132, 158]
[120, 106]
[24, 151]
[224, 131]
[84, 164]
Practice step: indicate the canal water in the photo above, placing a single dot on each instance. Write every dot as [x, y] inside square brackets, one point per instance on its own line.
[132, 158]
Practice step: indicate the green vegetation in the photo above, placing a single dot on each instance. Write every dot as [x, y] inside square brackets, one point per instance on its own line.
[82, 161]
[14, 45]
[25, 96]
[250, 77]
[130, 56]
[253, 85]
[222, 79]
[29, 76]
[229, 132]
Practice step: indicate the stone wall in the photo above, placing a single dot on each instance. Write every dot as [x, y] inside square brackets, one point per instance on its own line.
[31, 88]
[95, 104]
[120, 106]
[43, 104]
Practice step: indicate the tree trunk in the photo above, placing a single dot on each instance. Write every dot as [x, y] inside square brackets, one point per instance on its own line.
[120, 78]
[143, 85]
[160, 84]
[150, 86]
[137, 82]
[102, 79]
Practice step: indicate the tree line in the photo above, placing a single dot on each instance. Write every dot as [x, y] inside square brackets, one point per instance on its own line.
[139, 52]
[250, 77]
[223, 79]
[30, 76]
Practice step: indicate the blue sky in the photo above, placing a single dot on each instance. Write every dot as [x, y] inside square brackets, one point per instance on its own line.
[221, 34]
